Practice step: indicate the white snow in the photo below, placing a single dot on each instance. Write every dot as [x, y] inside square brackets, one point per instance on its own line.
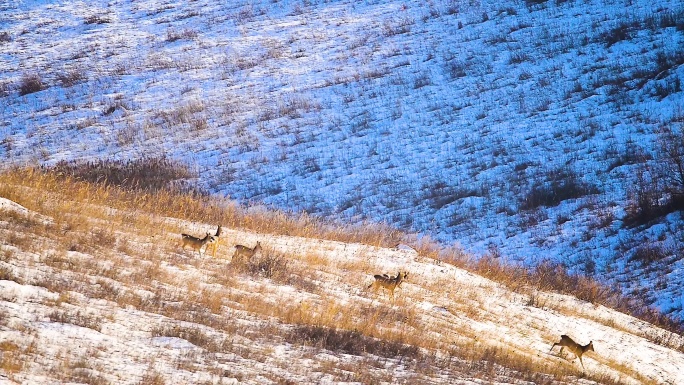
[436, 117]
[74, 332]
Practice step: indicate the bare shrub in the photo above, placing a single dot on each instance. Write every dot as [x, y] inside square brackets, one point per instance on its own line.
[30, 83]
[186, 34]
[644, 198]
[622, 31]
[440, 194]
[77, 318]
[97, 19]
[267, 265]
[397, 27]
[665, 19]
[518, 57]
[294, 105]
[555, 186]
[659, 186]
[422, 80]
[103, 238]
[182, 114]
[5, 88]
[670, 146]
[71, 77]
[649, 253]
[456, 69]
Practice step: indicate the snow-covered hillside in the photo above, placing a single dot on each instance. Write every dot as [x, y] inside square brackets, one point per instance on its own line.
[91, 292]
[443, 118]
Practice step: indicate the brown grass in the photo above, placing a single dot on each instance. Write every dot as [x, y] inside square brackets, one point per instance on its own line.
[11, 360]
[92, 221]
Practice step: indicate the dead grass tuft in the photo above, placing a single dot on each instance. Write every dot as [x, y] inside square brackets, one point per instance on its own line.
[31, 83]
[350, 342]
[193, 335]
[266, 265]
[77, 318]
[147, 174]
[11, 360]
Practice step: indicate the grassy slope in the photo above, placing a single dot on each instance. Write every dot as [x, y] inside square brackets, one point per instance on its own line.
[441, 117]
[96, 290]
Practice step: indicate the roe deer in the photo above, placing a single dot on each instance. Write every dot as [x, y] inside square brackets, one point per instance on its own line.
[390, 283]
[215, 242]
[245, 251]
[196, 243]
[577, 349]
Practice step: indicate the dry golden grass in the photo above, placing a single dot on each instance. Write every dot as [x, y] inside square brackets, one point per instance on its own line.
[122, 246]
[11, 360]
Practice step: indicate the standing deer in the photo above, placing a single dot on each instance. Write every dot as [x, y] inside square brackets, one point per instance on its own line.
[244, 251]
[215, 242]
[390, 283]
[195, 243]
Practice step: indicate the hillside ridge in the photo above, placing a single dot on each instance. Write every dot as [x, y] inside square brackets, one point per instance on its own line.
[527, 129]
[96, 289]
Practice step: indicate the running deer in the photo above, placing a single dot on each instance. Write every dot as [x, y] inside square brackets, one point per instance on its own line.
[390, 283]
[196, 243]
[215, 242]
[244, 251]
[577, 349]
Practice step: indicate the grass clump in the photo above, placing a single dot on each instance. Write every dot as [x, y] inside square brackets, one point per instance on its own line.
[147, 174]
[31, 83]
[349, 342]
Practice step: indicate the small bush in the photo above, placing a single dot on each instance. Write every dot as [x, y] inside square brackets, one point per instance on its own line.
[421, 81]
[441, 194]
[96, 19]
[397, 27]
[456, 70]
[659, 186]
[5, 37]
[186, 34]
[558, 185]
[666, 19]
[518, 57]
[655, 193]
[621, 32]
[267, 266]
[649, 253]
[31, 83]
[70, 78]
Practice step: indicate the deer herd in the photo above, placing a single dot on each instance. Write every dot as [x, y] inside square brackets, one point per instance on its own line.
[243, 254]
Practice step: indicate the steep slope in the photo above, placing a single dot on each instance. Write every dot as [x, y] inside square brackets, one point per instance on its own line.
[92, 292]
[514, 128]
